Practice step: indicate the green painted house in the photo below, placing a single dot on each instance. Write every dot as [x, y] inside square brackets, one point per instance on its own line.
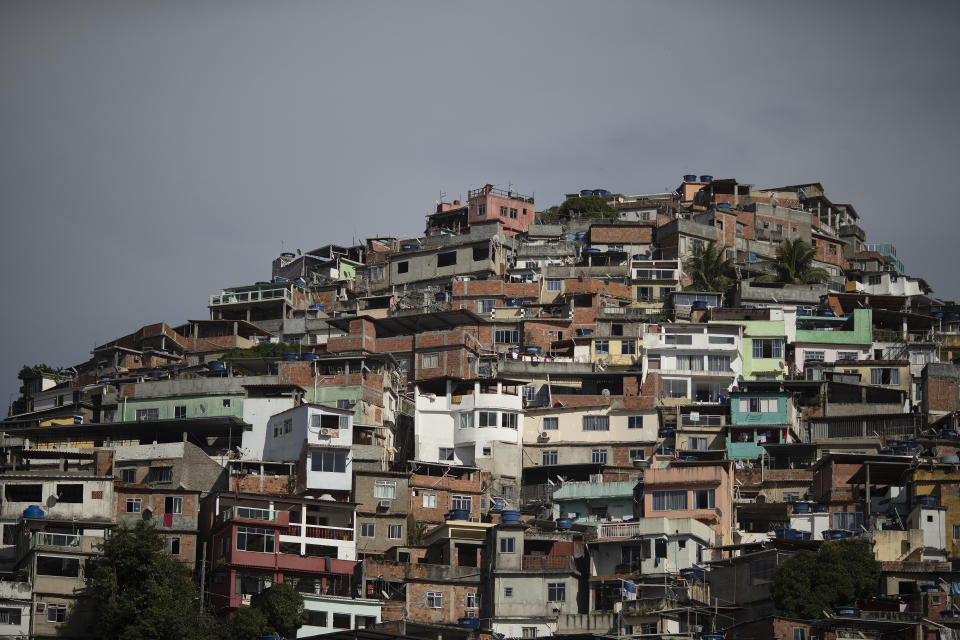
[756, 419]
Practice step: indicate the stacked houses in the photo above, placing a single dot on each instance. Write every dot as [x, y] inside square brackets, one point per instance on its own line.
[518, 425]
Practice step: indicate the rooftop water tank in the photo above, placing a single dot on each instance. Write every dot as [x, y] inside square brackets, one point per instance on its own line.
[666, 432]
[564, 523]
[288, 254]
[601, 192]
[408, 247]
[816, 507]
[949, 434]
[469, 622]
[592, 250]
[692, 573]
[459, 514]
[498, 504]
[706, 178]
[33, 511]
[699, 305]
[952, 316]
[826, 313]
[950, 613]
[690, 459]
[155, 375]
[894, 443]
[217, 365]
[888, 452]
[846, 612]
[316, 307]
[724, 205]
[586, 192]
[801, 507]
[641, 256]
[532, 350]
[836, 534]
[289, 357]
[310, 356]
[513, 350]
[938, 315]
[510, 516]
[690, 177]
[514, 302]
[950, 459]
[440, 297]
[581, 235]
[666, 451]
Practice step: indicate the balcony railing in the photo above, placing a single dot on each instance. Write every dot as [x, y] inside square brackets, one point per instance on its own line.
[41, 539]
[250, 513]
[619, 530]
[324, 533]
[257, 295]
[540, 563]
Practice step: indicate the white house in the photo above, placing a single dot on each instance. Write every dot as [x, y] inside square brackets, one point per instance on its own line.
[326, 433]
[697, 362]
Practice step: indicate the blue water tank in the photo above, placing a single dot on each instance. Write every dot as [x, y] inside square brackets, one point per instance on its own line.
[289, 356]
[927, 500]
[287, 254]
[513, 350]
[666, 451]
[952, 316]
[532, 350]
[949, 434]
[584, 332]
[825, 313]
[938, 315]
[699, 305]
[310, 356]
[564, 523]
[592, 250]
[693, 573]
[846, 612]
[801, 507]
[408, 247]
[929, 588]
[816, 507]
[33, 511]
[641, 256]
[894, 443]
[690, 177]
[666, 432]
[459, 514]
[950, 459]
[950, 613]
[155, 375]
[706, 178]
[836, 534]
[581, 235]
[316, 307]
[601, 192]
[514, 302]
[469, 622]
[217, 365]
[724, 205]
[586, 192]
[690, 459]
[510, 516]
[888, 452]
[440, 297]
[498, 504]
[712, 636]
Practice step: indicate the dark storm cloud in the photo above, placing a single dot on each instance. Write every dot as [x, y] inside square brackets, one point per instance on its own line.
[153, 153]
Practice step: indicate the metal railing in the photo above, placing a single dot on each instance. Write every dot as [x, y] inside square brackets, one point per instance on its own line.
[41, 539]
[257, 295]
[250, 513]
[321, 532]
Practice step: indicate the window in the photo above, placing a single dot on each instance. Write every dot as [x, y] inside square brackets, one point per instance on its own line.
[328, 460]
[447, 259]
[678, 339]
[718, 363]
[703, 499]
[445, 454]
[549, 457]
[488, 418]
[758, 405]
[956, 532]
[846, 355]
[556, 592]
[637, 454]
[148, 414]
[473, 601]
[634, 422]
[849, 521]
[528, 632]
[697, 444]
[486, 451]
[461, 502]
[509, 420]
[506, 336]
[767, 348]
[58, 566]
[434, 600]
[288, 425]
[885, 376]
[596, 423]
[431, 360]
[813, 356]
[403, 267]
[134, 505]
[553, 284]
[9, 616]
[128, 475]
[644, 294]
[368, 529]
[171, 546]
[690, 362]
[720, 340]
[486, 305]
[598, 456]
[180, 411]
[628, 347]
[674, 388]
[253, 539]
[430, 501]
[385, 489]
[162, 475]
[481, 253]
[601, 347]
[465, 420]
[508, 545]
[513, 213]
[173, 504]
[669, 500]
[56, 612]
[551, 424]
[71, 493]
[394, 531]
[508, 592]
[226, 402]
[503, 212]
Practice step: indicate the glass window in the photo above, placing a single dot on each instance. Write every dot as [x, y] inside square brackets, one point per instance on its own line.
[549, 458]
[849, 521]
[767, 348]
[553, 284]
[173, 504]
[509, 420]
[634, 422]
[846, 355]
[465, 420]
[488, 418]
[461, 502]
[434, 599]
[385, 489]
[556, 592]
[162, 475]
[128, 475]
[254, 539]
[473, 601]
[628, 347]
[368, 529]
[486, 305]
[637, 454]
[696, 443]
[718, 363]
[180, 411]
[171, 546]
[669, 500]
[504, 336]
[674, 388]
[528, 632]
[598, 456]
[885, 376]
[703, 499]
[134, 505]
[430, 500]
[431, 360]
[9, 616]
[644, 294]
[596, 423]
[551, 424]
[394, 531]
[445, 454]
[601, 347]
[508, 545]
[56, 612]
[58, 566]
[148, 414]
[328, 460]
[508, 592]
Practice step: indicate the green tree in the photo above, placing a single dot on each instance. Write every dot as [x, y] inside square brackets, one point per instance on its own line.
[247, 623]
[709, 268]
[838, 574]
[594, 207]
[283, 607]
[142, 593]
[794, 264]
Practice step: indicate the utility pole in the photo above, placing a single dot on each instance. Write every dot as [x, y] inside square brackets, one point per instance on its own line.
[203, 574]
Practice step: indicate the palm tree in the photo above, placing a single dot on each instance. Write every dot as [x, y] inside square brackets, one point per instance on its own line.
[709, 268]
[794, 264]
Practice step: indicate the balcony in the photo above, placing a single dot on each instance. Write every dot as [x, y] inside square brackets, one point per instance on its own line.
[41, 539]
[623, 313]
[256, 295]
[342, 534]
[548, 563]
[249, 513]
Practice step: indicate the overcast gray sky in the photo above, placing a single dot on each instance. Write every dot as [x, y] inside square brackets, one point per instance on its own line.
[153, 153]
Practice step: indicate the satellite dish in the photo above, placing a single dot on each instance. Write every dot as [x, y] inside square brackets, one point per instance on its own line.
[605, 393]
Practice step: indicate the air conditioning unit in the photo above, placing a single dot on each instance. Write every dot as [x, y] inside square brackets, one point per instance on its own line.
[326, 432]
[543, 437]
[383, 504]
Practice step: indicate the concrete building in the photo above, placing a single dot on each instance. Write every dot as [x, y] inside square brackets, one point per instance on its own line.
[514, 211]
[696, 362]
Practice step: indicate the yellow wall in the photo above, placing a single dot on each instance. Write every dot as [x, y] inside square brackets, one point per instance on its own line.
[943, 482]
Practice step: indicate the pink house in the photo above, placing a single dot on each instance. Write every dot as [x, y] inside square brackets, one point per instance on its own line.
[701, 490]
[515, 211]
